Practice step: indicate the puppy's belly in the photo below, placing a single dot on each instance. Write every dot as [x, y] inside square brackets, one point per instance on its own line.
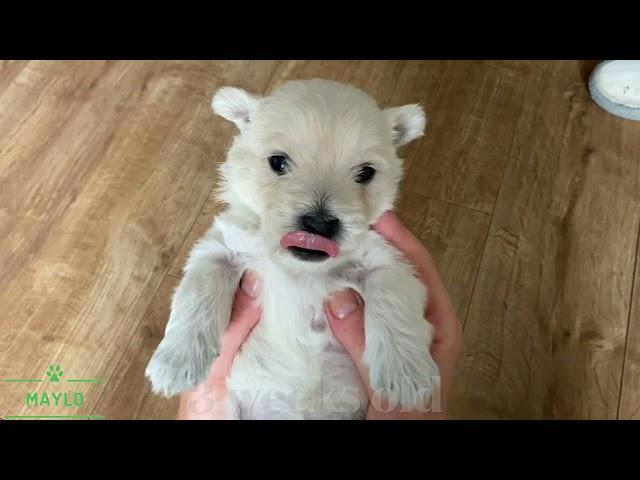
[313, 378]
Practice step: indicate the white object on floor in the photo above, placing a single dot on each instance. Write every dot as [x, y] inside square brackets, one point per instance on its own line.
[615, 86]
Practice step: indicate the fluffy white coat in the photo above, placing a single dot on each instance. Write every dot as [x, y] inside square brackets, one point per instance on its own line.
[291, 366]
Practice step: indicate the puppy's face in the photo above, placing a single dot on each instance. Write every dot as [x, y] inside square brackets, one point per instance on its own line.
[316, 163]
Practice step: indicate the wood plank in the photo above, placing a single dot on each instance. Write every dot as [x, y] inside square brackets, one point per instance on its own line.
[455, 236]
[376, 77]
[9, 69]
[545, 333]
[472, 108]
[629, 408]
[57, 120]
[203, 222]
[49, 135]
[77, 300]
[128, 393]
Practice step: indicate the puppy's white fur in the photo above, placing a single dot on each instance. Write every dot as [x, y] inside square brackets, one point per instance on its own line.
[291, 366]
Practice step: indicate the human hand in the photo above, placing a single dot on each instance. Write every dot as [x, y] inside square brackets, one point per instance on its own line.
[345, 312]
[207, 400]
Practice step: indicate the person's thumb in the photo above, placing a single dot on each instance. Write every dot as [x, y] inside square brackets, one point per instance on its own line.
[345, 312]
[245, 315]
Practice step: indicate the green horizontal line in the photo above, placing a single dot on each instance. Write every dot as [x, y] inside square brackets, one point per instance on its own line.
[22, 380]
[97, 417]
[87, 381]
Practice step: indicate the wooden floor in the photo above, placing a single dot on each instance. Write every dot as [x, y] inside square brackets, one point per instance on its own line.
[526, 192]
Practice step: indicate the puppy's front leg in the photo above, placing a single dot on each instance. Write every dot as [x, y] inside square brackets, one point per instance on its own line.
[200, 312]
[397, 336]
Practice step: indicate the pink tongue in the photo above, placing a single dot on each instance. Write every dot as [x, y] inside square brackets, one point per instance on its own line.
[310, 241]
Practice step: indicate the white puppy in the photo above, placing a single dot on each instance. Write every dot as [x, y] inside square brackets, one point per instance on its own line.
[313, 166]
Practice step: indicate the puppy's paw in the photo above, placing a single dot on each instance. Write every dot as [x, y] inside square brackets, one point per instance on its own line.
[405, 383]
[403, 374]
[181, 363]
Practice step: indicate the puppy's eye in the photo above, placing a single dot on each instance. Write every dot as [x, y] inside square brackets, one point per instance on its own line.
[365, 174]
[278, 163]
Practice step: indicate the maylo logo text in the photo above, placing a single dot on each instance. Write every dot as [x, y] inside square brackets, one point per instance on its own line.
[58, 399]
[55, 399]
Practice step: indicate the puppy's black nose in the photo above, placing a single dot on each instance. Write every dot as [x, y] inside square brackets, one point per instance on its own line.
[321, 224]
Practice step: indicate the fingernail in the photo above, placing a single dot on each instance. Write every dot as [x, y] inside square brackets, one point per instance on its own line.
[249, 284]
[343, 303]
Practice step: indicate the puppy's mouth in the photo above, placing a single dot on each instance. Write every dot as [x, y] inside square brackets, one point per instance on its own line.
[309, 246]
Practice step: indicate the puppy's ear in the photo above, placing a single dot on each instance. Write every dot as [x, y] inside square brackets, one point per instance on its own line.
[407, 123]
[236, 105]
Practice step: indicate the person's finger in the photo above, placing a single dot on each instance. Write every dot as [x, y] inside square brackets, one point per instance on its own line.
[346, 319]
[207, 400]
[345, 313]
[245, 313]
[244, 316]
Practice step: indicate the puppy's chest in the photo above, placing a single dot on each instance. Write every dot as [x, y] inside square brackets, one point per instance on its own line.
[294, 304]
[292, 350]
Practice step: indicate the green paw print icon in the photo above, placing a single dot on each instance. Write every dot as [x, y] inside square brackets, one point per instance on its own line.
[54, 373]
